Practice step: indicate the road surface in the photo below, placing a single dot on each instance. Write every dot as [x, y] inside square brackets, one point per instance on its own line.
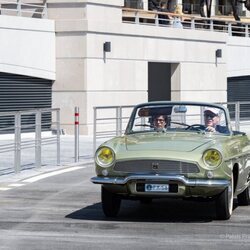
[63, 211]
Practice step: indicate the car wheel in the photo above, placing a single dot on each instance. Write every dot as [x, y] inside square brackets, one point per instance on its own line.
[224, 202]
[243, 198]
[110, 203]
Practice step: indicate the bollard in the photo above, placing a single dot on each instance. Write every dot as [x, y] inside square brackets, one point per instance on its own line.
[38, 138]
[17, 158]
[76, 134]
[58, 139]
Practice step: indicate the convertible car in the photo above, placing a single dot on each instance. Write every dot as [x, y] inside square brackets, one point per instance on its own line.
[175, 149]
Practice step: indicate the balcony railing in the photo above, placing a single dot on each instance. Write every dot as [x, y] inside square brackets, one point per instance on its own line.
[168, 19]
[18, 8]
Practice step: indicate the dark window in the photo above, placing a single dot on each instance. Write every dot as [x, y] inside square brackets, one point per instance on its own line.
[238, 90]
[19, 93]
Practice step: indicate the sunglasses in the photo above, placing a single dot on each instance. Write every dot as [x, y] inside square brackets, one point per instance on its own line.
[209, 117]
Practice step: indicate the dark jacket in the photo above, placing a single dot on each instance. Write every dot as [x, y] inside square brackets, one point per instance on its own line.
[153, 5]
[222, 129]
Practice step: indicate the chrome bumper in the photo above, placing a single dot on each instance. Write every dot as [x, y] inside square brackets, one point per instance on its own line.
[182, 179]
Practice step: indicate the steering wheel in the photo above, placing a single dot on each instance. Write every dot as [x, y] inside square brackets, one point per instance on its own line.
[197, 127]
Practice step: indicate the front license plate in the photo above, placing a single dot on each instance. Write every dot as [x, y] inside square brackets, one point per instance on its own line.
[156, 188]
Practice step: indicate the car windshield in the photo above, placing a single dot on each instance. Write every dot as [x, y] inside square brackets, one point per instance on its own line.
[178, 118]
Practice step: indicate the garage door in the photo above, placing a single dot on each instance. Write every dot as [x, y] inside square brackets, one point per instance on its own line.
[238, 90]
[18, 93]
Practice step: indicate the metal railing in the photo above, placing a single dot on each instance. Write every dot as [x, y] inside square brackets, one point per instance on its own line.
[18, 8]
[37, 126]
[111, 121]
[167, 19]
[240, 115]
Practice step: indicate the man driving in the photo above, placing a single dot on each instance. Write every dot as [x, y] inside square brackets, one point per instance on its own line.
[212, 121]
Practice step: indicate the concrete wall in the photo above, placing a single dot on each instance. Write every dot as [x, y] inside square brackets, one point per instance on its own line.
[238, 54]
[27, 46]
[87, 77]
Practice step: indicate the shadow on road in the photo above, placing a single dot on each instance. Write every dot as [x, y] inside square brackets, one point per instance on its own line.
[162, 210]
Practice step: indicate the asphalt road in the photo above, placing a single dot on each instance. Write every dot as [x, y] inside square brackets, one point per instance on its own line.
[64, 212]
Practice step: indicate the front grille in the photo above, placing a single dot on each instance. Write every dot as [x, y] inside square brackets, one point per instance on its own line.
[166, 166]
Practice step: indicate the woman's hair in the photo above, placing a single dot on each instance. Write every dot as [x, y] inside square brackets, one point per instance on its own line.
[164, 116]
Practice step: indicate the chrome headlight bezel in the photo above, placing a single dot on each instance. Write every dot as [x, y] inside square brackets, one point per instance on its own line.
[212, 158]
[101, 162]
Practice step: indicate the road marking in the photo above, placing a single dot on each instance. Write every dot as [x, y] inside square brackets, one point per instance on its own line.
[16, 185]
[39, 177]
[4, 189]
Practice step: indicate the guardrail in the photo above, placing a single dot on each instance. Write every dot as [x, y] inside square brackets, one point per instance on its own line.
[168, 19]
[111, 121]
[19, 125]
[19, 8]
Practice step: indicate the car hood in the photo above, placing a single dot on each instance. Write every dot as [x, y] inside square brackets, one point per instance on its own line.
[168, 142]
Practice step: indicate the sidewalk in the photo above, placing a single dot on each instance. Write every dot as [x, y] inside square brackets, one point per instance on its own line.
[49, 158]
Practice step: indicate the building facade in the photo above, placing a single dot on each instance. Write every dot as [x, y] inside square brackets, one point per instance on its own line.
[144, 63]
[138, 63]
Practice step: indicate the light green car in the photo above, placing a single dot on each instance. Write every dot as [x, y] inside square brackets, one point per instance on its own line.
[175, 149]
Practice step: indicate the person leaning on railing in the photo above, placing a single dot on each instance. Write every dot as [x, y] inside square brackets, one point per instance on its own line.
[177, 22]
[154, 5]
[160, 6]
[164, 19]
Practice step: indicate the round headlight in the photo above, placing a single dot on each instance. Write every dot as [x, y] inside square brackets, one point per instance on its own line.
[212, 158]
[105, 157]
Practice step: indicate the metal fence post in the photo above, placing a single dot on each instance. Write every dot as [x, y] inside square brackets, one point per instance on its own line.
[94, 131]
[246, 30]
[192, 23]
[45, 11]
[117, 121]
[156, 20]
[229, 27]
[137, 19]
[38, 139]
[17, 160]
[237, 116]
[76, 134]
[19, 8]
[58, 155]
[211, 25]
[120, 120]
